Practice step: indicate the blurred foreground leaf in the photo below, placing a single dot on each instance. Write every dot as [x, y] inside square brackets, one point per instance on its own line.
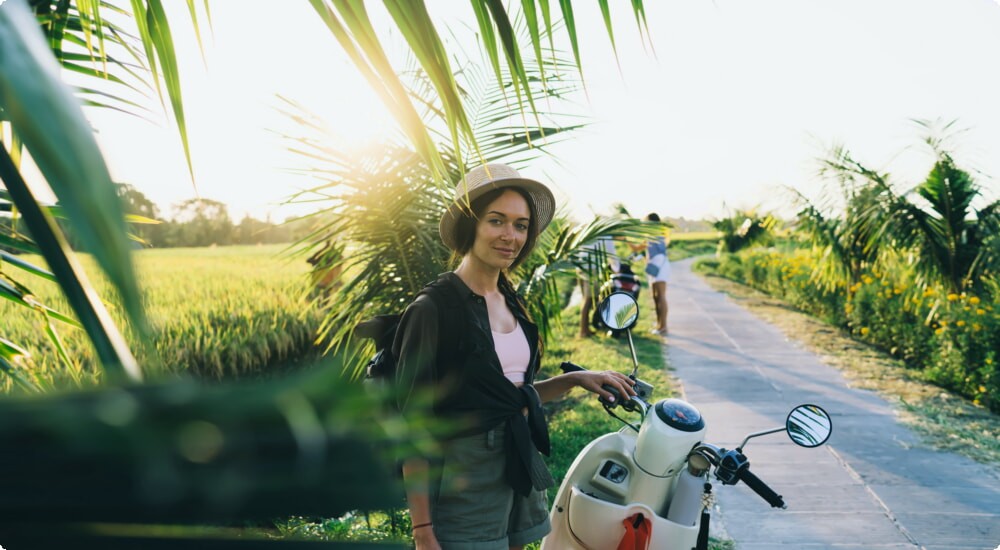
[187, 453]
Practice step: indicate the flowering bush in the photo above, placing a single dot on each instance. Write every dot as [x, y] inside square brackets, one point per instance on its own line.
[954, 338]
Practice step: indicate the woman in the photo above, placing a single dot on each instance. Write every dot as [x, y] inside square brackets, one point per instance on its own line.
[658, 272]
[489, 493]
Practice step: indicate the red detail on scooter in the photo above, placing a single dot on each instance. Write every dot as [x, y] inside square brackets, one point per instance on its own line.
[638, 531]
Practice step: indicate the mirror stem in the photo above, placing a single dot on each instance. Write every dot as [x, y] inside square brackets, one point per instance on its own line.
[631, 347]
[757, 434]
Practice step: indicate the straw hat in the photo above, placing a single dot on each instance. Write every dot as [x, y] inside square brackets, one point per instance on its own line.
[486, 178]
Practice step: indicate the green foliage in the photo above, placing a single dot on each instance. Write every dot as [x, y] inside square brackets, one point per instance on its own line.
[169, 453]
[680, 249]
[48, 122]
[744, 228]
[351, 26]
[949, 241]
[953, 338]
[392, 526]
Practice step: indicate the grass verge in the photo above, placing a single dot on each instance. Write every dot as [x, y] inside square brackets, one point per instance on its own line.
[945, 420]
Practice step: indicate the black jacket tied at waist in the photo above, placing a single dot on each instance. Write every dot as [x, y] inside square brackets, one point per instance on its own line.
[471, 385]
[526, 437]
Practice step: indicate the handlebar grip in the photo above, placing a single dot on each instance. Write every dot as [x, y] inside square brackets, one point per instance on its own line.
[567, 366]
[613, 391]
[761, 488]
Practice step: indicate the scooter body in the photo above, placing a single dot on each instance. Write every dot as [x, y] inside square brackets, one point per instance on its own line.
[607, 485]
[654, 477]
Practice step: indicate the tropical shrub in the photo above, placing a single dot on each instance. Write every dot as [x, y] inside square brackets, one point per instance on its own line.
[953, 338]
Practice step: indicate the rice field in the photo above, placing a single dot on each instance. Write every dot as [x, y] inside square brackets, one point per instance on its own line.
[215, 313]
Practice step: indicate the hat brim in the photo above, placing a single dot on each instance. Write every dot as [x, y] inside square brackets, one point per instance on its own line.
[543, 206]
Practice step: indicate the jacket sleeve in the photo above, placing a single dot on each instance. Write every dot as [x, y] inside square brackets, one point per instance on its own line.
[415, 349]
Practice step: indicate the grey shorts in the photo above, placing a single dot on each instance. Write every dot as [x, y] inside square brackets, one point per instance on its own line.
[473, 506]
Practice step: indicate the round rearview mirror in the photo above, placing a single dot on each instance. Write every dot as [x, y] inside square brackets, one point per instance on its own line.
[619, 311]
[809, 425]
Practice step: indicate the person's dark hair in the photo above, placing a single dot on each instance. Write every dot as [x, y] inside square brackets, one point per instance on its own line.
[653, 217]
[465, 225]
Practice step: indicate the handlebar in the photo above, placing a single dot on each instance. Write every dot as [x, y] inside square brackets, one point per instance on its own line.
[761, 488]
[632, 404]
[568, 366]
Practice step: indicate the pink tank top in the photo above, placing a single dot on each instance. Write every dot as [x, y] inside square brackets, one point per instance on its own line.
[514, 353]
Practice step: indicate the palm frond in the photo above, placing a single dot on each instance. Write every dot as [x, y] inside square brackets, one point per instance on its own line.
[352, 28]
[383, 204]
[53, 129]
[562, 250]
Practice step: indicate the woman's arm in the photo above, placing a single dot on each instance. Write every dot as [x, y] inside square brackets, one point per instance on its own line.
[416, 349]
[415, 472]
[552, 388]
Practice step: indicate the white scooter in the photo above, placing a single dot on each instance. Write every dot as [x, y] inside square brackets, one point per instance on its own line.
[647, 485]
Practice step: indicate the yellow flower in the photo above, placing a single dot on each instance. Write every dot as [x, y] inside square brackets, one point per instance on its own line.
[868, 280]
[944, 323]
[864, 331]
[989, 361]
[974, 300]
[897, 290]
[980, 311]
[982, 389]
[976, 327]
[960, 323]
[928, 292]
[939, 331]
[952, 297]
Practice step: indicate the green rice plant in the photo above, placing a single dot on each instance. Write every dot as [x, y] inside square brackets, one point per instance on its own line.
[214, 312]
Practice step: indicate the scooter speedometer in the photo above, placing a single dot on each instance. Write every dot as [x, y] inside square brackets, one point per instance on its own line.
[680, 415]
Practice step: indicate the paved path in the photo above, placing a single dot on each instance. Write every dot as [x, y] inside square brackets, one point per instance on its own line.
[874, 486]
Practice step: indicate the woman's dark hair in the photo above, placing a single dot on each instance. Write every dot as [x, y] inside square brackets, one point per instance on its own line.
[653, 217]
[465, 225]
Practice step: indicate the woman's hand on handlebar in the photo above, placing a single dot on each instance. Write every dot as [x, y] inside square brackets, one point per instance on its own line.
[593, 381]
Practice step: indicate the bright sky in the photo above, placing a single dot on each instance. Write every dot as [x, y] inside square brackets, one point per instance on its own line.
[739, 100]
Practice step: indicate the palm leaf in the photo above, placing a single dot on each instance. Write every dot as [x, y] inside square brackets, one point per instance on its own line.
[10, 358]
[54, 130]
[348, 21]
[560, 252]
[384, 204]
[356, 36]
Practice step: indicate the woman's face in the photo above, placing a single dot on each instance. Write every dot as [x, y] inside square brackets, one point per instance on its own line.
[501, 230]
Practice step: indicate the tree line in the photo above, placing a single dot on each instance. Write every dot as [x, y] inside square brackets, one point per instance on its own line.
[194, 223]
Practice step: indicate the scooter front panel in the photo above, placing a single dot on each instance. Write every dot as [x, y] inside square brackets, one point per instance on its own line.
[597, 524]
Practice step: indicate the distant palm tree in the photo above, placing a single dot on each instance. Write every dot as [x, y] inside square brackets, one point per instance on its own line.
[841, 239]
[953, 242]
